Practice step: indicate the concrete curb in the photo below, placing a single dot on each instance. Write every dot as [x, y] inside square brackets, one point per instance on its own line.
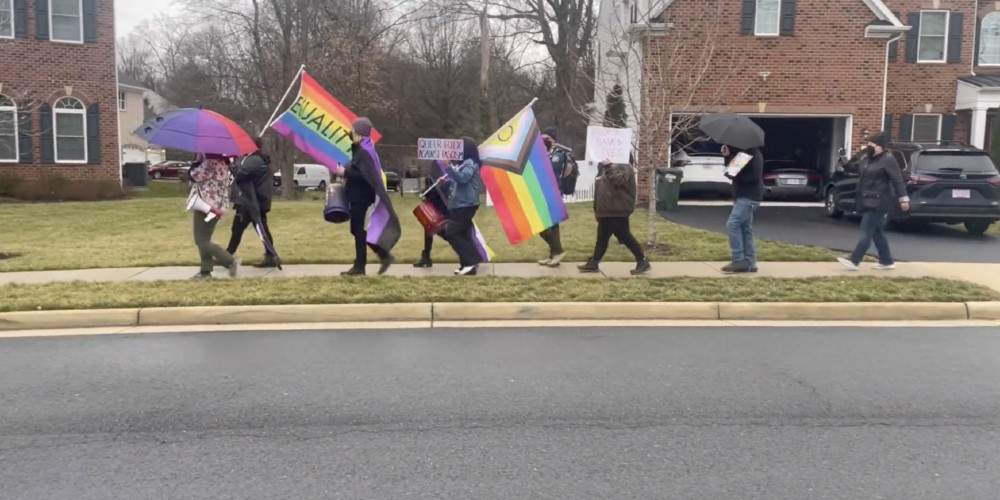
[459, 312]
[233, 315]
[843, 311]
[576, 311]
[40, 320]
[984, 310]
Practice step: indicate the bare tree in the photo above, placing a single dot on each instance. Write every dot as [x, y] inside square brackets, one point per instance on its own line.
[666, 83]
[566, 28]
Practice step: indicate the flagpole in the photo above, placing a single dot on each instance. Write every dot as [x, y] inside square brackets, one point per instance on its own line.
[282, 101]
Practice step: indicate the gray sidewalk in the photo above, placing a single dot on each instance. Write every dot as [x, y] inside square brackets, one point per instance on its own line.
[984, 274]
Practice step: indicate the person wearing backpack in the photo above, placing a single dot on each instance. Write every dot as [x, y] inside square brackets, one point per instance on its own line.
[614, 202]
[561, 158]
[254, 190]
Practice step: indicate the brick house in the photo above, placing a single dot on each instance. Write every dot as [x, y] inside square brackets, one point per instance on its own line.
[818, 75]
[58, 89]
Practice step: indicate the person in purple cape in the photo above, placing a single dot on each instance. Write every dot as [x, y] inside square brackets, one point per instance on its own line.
[374, 223]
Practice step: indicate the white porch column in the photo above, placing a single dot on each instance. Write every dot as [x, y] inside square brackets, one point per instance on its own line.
[978, 127]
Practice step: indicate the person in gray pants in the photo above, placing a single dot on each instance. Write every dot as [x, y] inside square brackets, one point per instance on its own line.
[211, 181]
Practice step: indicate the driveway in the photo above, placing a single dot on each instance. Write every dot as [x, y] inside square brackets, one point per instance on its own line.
[810, 226]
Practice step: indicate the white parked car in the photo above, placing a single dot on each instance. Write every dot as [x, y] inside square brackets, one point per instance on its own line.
[307, 176]
[703, 173]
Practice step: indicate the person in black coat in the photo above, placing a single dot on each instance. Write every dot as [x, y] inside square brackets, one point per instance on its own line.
[255, 188]
[361, 196]
[880, 189]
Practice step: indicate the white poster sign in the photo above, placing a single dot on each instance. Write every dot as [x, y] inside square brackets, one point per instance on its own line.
[609, 144]
[439, 149]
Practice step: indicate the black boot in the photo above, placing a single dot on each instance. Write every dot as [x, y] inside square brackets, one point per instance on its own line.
[642, 267]
[354, 271]
[590, 267]
[425, 261]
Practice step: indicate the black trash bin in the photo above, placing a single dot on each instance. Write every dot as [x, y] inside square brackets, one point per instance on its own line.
[668, 188]
[136, 175]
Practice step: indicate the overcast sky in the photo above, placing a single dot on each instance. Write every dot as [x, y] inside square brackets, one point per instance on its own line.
[129, 13]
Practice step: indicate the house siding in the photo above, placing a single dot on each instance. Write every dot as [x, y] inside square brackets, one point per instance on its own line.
[36, 72]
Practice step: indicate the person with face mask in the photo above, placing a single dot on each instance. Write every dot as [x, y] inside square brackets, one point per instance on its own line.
[880, 189]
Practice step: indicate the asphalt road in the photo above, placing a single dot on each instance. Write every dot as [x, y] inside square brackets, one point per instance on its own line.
[798, 413]
[810, 226]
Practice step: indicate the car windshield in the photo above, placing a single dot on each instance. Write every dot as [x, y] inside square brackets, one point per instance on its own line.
[967, 163]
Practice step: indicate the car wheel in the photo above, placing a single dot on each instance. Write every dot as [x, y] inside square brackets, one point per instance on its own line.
[832, 210]
[321, 186]
[977, 228]
[157, 175]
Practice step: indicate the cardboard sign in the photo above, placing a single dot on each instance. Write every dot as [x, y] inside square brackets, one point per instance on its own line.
[609, 144]
[440, 149]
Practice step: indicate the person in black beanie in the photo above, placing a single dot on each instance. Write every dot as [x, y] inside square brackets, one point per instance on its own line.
[880, 189]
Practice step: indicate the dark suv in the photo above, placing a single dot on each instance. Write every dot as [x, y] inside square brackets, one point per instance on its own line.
[949, 183]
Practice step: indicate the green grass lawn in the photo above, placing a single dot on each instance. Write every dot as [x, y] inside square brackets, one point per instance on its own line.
[395, 290]
[154, 230]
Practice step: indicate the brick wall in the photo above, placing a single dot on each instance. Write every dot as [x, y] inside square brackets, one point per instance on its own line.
[826, 67]
[38, 71]
[929, 87]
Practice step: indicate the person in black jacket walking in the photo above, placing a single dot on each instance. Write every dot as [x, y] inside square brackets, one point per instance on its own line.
[748, 191]
[880, 190]
[255, 187]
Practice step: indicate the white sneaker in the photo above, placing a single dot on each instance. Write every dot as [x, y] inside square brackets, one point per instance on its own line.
[467, 271]
[555, 261]
[884, 267]
[850, 266]
[545, 262]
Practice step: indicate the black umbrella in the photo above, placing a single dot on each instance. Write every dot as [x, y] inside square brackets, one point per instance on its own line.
[733, 130]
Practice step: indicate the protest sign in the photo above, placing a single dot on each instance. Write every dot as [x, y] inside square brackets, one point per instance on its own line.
[609, 144]
[440, 149]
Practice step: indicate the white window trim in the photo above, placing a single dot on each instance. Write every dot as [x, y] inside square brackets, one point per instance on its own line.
[913, 125]
[947, 30]
[756, 13]
[17, 134]
[55, 132]
[979, 56]
[13, 24]
[52, 32]
[122, 101]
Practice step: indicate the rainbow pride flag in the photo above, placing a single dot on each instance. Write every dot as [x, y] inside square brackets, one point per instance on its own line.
[319, 124]
[518, 175]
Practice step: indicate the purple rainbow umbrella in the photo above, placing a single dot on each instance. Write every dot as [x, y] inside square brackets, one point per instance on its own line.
[197, 131]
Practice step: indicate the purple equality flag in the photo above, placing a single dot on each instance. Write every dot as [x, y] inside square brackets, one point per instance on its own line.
[383, 226]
